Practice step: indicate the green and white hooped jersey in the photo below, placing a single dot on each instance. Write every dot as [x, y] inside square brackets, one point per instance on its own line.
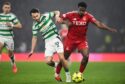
[46, 26]
[6, 31]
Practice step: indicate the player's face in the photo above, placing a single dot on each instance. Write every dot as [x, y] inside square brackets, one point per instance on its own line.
[82, 10]
[36, 16]
[6, 8]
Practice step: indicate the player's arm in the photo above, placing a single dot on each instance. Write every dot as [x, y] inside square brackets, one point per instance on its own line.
[15, 23]
[56, 14]
[103, 26]
[99, 24]
[66, 20]
[34, 41]
[18, 25]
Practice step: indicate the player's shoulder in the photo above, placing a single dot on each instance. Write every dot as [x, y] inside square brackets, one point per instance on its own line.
[12, 14]
[46, 14]
[88, 14]
[70, 14]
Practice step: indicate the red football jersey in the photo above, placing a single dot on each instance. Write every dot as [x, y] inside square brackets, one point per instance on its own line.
[79, 26]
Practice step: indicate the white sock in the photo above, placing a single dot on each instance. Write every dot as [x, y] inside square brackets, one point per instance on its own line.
[67, 73]
[56, 63]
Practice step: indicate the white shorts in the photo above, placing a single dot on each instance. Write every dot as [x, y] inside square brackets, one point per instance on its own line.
[7, 42]
[52, 46]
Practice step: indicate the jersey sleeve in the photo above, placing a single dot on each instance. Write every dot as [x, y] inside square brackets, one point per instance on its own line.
[91, 18]
[34, 31]
[51, 14]
[15, 19]
[65, 16]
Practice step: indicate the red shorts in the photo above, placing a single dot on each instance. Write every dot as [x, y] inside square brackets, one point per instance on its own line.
[71, 45]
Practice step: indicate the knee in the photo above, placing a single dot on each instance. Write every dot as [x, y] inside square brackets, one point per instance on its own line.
[11, 53]
[62, 59]
[67, 54]
[48, 61]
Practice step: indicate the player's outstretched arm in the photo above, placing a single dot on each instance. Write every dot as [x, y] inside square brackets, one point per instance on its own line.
[104, 26]
[34, 41]
[18, 25]
[67, 22]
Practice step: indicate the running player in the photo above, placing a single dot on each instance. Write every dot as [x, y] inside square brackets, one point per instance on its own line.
[43, 23]
[8, 21]
[78, 22]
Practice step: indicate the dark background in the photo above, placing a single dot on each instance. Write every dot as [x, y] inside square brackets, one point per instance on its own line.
[111, 12]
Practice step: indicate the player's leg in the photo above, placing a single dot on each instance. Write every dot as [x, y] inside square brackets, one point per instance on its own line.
[68, 48]
[60, 51]
[10, 47]
[12, 59]
[59, 66]
[49, 50]
[65, 65]
[84, 50]
[49, 61]
[84, 61]
[1, 46]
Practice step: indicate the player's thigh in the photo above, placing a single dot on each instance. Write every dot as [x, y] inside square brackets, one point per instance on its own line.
[49, 51]
[10, 45]
[61, 56]
[1, 43]
[83, 48]
[1, 46]
[58, 46]
[69, 46]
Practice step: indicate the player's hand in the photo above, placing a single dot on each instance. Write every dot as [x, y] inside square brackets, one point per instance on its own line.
[30, 54]
[69, 23]
[58, 20]
[9, 24]
[113, 30]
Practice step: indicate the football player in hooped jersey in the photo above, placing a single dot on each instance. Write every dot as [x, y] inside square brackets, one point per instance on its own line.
[76, 38]
[8, 21]
[44, 24]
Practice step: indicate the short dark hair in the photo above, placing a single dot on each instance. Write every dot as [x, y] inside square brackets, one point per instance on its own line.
[6, 3]
[34, 10]
[82, 4]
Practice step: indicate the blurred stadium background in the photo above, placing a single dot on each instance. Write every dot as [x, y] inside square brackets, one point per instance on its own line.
[105, 47]
[110, 12]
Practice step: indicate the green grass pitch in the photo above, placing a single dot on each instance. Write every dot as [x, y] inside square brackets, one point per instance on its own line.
[40, 73]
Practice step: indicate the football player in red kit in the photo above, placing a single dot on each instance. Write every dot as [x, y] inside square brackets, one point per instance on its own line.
[78, 22]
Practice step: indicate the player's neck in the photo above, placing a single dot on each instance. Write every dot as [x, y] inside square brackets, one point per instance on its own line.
[5, 12]
[81, 15]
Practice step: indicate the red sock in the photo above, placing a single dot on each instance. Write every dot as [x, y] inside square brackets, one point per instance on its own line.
[82, 68]
[58, 69]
